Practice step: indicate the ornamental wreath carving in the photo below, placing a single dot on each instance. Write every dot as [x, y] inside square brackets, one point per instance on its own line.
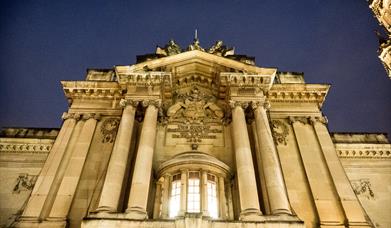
[362, 187]
[109, 130]
[24, 182]
[279, 131]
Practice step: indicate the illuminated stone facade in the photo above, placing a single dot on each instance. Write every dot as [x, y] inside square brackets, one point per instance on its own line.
[382, 11]
[194, 138]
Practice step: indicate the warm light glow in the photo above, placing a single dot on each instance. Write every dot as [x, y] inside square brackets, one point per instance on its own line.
[212, 197]
[175, 199]
[193, 196]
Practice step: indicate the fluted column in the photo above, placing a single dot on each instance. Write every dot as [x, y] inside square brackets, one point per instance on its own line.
[139, 190]
[248, 194]
[48, 175]
[278, 198]
[158, 199]
[165, 195]
[112, 186]
[222, 201]
[67, 189]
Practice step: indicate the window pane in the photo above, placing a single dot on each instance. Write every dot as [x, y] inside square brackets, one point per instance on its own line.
[193, 197]
[175, 199]
[212, 199]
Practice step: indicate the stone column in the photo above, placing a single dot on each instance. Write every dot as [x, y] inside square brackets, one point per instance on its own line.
[204, 193]
[165, 195]
[67, 189]
[222, 199]
[278, 198]
[48, 173]
[112, 186]
[353, 211]
[248, 194]
[138, 196]
[184, 178]
[158, 199]
[325, 198]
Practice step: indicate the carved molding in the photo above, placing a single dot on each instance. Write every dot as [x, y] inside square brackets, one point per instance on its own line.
[363, 151]
[265, 104]
[91, 89]
[109, 130]
[362, 188]
[25, 147]
[144, 79]
[300, 119]
[24, 182]
[279, 131]
[67, 115]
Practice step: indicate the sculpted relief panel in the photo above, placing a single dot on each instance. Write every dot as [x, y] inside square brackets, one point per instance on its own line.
[194, 118]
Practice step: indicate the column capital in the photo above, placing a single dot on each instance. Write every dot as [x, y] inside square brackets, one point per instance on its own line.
[154, 102]
[318, 119]
[302, 119]
[124, 102]
[67, 115]
[243, 104]
[256, 104]
[87, 116]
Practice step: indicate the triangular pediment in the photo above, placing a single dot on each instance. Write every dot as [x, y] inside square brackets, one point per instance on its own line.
[195, 62]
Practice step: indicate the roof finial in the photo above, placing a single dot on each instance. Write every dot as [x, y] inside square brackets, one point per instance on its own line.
[195, 35]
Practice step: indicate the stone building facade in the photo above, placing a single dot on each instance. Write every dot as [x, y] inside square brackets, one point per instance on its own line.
[382, 11]
[194, 138]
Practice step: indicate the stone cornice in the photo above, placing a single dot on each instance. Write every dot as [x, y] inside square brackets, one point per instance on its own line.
[245, 80]
[363, 151]
[144, 79]
[196, 54]
[298, 93]
[12, 145]
[91, 89]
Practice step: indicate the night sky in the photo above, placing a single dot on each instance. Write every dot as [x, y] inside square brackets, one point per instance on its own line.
[43, 42]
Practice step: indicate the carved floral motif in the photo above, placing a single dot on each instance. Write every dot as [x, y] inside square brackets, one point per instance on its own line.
[279, 131]
[109, 130]
[362, 187]
[24, 182]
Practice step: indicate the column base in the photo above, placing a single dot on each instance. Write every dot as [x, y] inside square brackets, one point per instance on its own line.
[251, 214]
[137, 213]
[281, 212]
[105, 210]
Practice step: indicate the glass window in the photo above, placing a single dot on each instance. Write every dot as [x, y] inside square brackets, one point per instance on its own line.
[193, 196]
[212, 196]
[175, 199]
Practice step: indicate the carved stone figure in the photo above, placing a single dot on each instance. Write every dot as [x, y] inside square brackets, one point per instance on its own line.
[24, 182]
[219, 49]
[171, 48]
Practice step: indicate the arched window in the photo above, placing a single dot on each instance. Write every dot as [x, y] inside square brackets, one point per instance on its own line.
[194, 186]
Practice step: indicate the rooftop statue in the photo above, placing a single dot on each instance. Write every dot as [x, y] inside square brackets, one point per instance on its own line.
[171, 48]
[220, 49]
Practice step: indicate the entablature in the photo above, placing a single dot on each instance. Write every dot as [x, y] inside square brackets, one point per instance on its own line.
[91, 89]
[298, 93]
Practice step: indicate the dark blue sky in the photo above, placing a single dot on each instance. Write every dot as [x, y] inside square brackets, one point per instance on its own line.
[43, 42]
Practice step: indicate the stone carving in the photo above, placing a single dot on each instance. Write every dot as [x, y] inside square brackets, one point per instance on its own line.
[171, 48]
[300, 119]
[220, 49]
[195, 107]
[194, 133]
[362, 187]
[195, 45]
[109, 130]
[66, 116]
[279, 131]
[24, 182]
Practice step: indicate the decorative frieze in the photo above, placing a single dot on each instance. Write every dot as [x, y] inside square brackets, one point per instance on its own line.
[24, 182]
[363, 151]
[362, 188]
[248, 83]
[25, 147]
[144, 79]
